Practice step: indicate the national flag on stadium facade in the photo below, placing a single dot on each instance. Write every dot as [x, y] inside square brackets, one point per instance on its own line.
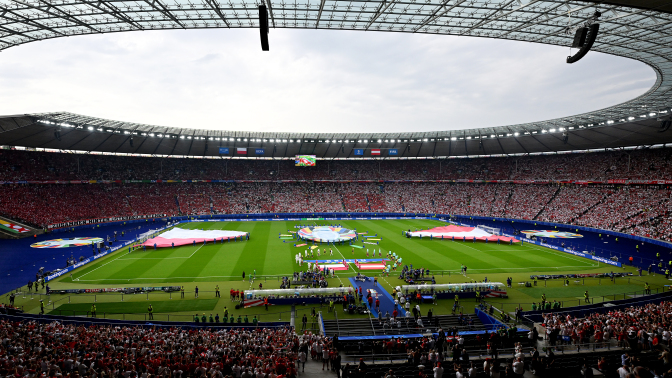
[375, 152]
[241, 151]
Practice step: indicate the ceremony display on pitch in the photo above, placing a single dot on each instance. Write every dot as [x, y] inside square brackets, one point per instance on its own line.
[326, 234]
[65, 243]
[178, 236]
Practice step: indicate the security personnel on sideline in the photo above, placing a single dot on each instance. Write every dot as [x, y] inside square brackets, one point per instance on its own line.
[647, 289]
[478, 296]
[182, 292]
[41, 307]
[150, 311]
[457, 300]
[585, 295]
[667, 273]
[217, 294]
[93, 310]
[657, 255]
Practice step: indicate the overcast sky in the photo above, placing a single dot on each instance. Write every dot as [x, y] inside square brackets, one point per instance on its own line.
[311, 81]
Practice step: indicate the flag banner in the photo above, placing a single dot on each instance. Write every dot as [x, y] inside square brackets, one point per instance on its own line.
[259, 151]
[241, 151]
[460, 233]
[11, 227]
[393, 151]
[178, 236]
[223, 151]
[375, 152]
[359, 152]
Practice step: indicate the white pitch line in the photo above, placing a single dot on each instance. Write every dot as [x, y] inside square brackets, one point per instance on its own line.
[565, 255]
[156, 258]
[173, 278]
[527, 267]
[122, 255]
[197, 249]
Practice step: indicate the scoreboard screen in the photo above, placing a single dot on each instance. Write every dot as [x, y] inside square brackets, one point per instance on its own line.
[305, 160]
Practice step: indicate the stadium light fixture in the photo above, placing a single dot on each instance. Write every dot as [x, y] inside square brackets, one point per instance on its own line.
[552, 130]
[453, 138]
[492, 135]
[516, 134]
[652, 114]
[424, 140]
[380, 141]
[189, 137]
[365, 141]
[544, 131]
[126, 132]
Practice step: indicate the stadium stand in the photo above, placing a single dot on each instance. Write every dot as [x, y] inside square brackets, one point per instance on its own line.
[632, 165]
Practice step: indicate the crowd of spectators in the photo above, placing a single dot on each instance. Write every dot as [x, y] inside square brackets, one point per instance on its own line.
[640, 328]
[32, 350]
[636, 210]
[616, 165]
[640, 210]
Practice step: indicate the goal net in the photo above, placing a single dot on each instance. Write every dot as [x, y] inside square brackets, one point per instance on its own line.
[492, 230]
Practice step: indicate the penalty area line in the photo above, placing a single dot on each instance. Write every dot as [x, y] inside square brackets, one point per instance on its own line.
[562, 254]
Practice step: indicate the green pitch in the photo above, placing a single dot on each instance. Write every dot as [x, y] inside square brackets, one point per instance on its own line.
[189, 305]
[267, 254]
[270, 257]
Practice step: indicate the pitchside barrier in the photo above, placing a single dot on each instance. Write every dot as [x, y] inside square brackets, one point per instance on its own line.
[606, 245]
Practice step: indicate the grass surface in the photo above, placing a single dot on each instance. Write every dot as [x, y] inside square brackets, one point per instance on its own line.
[191, 305]
[223, 264]
[266, 254]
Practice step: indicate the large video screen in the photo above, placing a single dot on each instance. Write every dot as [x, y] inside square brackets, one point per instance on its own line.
[305, 160]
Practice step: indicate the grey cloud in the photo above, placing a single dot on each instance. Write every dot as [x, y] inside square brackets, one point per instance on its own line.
[311, 80]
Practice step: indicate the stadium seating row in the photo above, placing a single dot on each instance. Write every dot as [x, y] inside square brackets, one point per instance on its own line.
[616, 165]
[640, 211]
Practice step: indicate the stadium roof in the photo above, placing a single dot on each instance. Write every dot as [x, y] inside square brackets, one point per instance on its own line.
[633, 29]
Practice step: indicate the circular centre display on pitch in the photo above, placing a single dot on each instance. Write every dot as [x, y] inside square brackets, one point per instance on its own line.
[326, 234]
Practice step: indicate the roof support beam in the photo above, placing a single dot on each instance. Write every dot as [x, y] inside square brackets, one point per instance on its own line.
[270, 11]
[62, 15]
[436, 13]
[381, 9]
[158, 6]
[319, 14]
[215, 6]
